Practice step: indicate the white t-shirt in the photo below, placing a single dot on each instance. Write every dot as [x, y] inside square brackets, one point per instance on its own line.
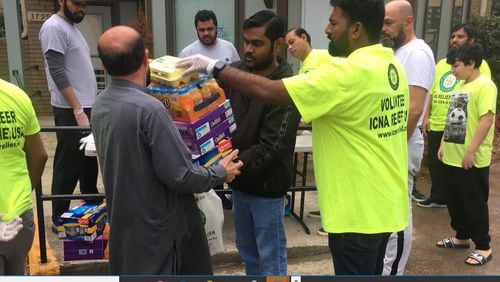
[222, 50]
[63, 37]
[418, 61]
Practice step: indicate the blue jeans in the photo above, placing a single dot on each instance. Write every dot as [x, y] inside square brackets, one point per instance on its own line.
[260, 233]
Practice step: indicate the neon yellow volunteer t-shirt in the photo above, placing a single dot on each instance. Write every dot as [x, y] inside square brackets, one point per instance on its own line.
[316, 58]
[468, 103]
[17, 120]
[442, 88]
[358, 107]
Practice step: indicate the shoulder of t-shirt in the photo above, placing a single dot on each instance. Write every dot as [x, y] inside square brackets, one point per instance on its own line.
[188, 50]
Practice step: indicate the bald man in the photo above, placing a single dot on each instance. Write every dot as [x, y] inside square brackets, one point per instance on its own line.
[148, 176]
[418, 61]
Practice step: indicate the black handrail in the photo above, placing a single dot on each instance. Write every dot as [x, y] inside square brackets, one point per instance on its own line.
[40, 197]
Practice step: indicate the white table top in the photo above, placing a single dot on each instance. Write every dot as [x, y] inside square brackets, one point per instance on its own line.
[303, 143]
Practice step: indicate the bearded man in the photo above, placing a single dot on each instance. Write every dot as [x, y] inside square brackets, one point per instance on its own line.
[73, 89]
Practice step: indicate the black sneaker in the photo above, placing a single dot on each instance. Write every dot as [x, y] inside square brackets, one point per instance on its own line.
[54, 230]
[226, 203]
[417, 196]
[431, 203]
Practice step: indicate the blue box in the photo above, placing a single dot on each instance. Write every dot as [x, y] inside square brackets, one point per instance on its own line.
[197, 129]
[209, 142]
[83, 222]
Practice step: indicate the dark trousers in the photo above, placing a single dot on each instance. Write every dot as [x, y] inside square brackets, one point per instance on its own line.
[70, 163]
[436, 167]
[467, 198]
[358, 254]
[191, 256]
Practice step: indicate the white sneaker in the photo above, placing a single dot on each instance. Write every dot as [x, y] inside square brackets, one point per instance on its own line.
[314, 214]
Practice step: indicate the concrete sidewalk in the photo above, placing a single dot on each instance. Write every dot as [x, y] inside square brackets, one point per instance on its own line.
[309, 254]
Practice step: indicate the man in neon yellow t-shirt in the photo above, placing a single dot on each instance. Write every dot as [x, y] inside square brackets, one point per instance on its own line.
[435, 115]
[358, 108]
[466, 153]
[22, 159]
[298, 41]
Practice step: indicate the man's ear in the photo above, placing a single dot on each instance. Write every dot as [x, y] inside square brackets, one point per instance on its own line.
[146, 57]
[278, 45]
[357, 30]
[472, 63]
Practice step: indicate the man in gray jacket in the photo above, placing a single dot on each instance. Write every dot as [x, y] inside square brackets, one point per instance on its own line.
[149, 179]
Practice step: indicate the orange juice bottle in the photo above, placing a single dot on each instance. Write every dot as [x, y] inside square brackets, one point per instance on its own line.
[195, 93]
[186, 102]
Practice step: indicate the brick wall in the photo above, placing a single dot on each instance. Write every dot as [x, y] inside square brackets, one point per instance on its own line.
[35, 80]
[4, 64]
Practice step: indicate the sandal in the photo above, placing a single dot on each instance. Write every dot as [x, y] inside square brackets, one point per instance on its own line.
[448, 243]
[479, 258]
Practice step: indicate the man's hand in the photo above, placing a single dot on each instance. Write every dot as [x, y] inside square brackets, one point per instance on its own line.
[468, 161]
[426, 126]
[232, 168]
[440, 152]
[9, 229]
[196, 63]
[81, 118]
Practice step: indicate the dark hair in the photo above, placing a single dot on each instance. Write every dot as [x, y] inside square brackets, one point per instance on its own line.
[469, 30]
[205, 15]
[124, 61]
[299, 31]
[468, 53]
[370, 13]
[275, 25]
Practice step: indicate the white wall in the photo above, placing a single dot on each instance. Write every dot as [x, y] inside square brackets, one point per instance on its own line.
[315, 15]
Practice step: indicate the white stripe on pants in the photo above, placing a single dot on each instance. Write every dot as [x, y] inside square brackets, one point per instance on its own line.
[399, 244]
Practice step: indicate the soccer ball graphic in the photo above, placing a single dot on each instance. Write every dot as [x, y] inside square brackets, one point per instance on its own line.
[458, 116]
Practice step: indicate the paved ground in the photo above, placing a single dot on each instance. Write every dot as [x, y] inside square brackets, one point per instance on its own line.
[309, 254]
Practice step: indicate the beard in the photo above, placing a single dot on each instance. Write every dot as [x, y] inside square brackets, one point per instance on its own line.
[72, 17]
[340, 47]
[208, 40]
[393, 42]
[261, 64]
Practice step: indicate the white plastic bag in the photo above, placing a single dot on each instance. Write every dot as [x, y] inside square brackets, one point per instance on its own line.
[212, 215]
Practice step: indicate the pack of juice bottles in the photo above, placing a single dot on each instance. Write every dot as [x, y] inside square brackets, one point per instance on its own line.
[197, 105]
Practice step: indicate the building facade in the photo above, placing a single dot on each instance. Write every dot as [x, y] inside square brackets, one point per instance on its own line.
[171, 27]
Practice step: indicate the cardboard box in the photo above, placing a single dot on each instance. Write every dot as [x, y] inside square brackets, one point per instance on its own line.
[223, 148]
[83, 222]
[197, 129]
[209, 141]
[81, 250]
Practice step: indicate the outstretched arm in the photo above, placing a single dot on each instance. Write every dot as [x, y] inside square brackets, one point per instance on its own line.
[255, 86]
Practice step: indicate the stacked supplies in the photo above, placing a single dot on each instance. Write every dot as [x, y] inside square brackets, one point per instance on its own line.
[198, 107]
[81, 229]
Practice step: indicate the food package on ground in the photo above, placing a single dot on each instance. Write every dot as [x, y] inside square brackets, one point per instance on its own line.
[81, 250]
[83, 222]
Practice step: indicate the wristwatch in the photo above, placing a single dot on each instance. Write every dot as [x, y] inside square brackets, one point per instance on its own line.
[218, 67]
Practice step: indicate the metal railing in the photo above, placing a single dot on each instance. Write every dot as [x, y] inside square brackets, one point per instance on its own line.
[41, 198]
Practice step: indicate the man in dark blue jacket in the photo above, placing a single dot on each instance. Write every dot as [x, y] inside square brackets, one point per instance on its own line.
[266, 139]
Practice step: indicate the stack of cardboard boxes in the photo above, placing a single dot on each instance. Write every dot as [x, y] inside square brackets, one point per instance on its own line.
[198, 107]
[81, 229]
